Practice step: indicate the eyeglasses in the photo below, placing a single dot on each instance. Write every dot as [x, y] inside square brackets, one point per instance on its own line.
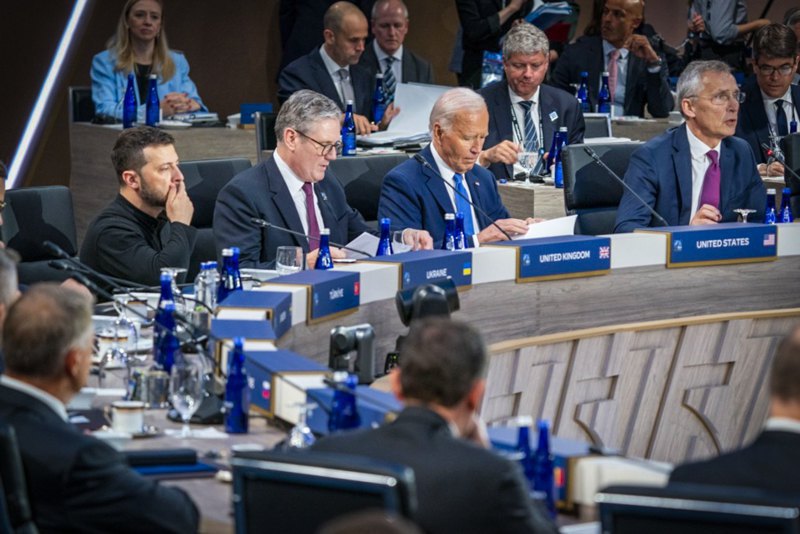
[768, 70]
[722, 99]
[326, 148]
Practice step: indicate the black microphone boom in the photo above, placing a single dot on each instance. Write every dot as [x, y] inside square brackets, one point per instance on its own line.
[592, 154]
[422, 161]
[779, 158]
[117, 283]
[266, 224]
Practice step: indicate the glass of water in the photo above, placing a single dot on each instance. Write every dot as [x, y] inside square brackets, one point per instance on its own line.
[528, 161]
[186, 389]
[289, 260]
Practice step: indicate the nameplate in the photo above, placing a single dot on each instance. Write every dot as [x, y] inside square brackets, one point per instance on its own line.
[373, 407]
[719, 244]
[330, 293]
[569, 256]
[425, 266]
[278, 381]
[275, 305]
[224, 330]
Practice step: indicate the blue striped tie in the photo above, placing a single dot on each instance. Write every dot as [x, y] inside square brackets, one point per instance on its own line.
[389, 80]
[462, 204]
[531, 138]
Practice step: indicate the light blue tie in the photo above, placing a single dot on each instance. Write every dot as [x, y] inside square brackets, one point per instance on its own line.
[531, 138]
[462, 205]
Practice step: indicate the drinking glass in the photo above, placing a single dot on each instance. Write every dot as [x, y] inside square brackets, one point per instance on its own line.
[289, 260]
[126, 327]
[301, 437]
[186, 390]
[528, 161]
[743, 213]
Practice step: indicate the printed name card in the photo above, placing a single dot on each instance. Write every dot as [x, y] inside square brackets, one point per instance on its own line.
[330, 293]
[719, 244]
[425, 266]
[569, 256]
[274, 306]
[278, 381]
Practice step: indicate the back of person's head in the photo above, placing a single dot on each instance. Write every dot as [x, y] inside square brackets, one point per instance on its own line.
[42, 326]
[690, 82]
[302, 110]
[774, 41]
[440, 361]
[785, 374]
[453, 102]
[525, 39]
[128, 151]
[336, 14]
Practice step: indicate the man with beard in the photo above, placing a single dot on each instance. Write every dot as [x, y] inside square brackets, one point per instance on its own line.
[147, 226]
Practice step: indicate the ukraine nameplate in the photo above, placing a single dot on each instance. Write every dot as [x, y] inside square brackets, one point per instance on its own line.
[719, 244]
[570, 256]
[330, 292]
[425, 266]
[275, 305]
[278, 380]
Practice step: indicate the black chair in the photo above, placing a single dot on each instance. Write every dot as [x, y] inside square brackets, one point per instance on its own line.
[597, 125]
[298, 492]
[589, 191]
[81, 104]
[33, 215]
[791, 148]
[204, 179]
[15, 509]
[696, 509]
[265, 132]
[362, 178]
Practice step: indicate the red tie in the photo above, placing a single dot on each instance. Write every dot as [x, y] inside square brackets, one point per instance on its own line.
[311, 214]
[612, 72]
[710, 192]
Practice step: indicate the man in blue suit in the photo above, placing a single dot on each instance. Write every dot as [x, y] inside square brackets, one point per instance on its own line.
[523, 113]
[772, 101]
[293, 189]
[697, 173]
[418, 196]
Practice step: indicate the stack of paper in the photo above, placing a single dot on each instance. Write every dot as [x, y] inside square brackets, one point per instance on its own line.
[415, 102]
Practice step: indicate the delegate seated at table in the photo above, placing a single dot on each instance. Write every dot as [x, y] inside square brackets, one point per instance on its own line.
[140, 46]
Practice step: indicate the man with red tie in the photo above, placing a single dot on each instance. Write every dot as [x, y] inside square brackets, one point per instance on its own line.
[697, 173]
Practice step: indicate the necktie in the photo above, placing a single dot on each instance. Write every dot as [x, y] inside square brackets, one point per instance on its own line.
[612, 72]
[710, 192]
[462, 205]
[347, 88]
[531, 138]
[780, 119]
[389, 80]
[311, 217]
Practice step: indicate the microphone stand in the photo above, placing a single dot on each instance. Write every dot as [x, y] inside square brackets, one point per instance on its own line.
[266, 224]
[780, 159]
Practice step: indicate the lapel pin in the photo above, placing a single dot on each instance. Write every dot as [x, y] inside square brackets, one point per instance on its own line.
[553, 116]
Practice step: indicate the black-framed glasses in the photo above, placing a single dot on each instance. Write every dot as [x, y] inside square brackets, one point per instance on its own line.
[722, 99]
[784, 70]
[326, 148]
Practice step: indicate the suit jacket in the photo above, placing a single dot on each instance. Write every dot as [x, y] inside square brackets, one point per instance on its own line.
[460, 486]
[77, 483]
[310, 72]
[771, 462]
[552, 100]
[413, 196]
[660, 171]
[261, 192]
[415, 69]
[641, 86]
[753, 125]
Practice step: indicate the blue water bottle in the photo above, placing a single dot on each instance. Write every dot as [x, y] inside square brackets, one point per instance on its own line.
[583, 93]
[166, 349]
[166, 298]
[558, 171]
[785, 215]
[153, 115]
[604, 96]
[237, 391]
[770, 215]
[378, 99]
[462, 241]
[344, 413]
[385, 243]
[129, 106]
[324, 259]
[524, 423]
[449, 242]
[231, 277]
[349, 132]
[543, 478]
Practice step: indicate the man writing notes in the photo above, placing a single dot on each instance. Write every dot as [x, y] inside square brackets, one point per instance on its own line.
[461, 486]
[697, 173]
[293, 189]
[416, 196]
[523, 113]
[637, 75]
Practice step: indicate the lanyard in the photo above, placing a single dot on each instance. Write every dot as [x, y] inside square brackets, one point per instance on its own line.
[518, 132]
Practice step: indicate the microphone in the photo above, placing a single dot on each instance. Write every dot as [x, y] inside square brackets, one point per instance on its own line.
[116, 283]
[592, 154]
[421, 159]
[266, 224]
[779, 158]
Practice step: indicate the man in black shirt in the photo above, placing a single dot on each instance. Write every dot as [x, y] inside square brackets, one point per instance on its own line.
[147, 226]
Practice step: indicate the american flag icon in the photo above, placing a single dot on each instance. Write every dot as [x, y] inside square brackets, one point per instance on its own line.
[605, 253]
[769, 240]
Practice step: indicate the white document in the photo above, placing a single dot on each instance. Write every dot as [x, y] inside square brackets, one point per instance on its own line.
[415, 101]
[369, 243]
[550, 228]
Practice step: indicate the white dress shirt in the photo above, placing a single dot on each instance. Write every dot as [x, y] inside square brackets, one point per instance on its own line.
[448, 174]
[53, 403]
[700, 164]
[519, 115]
[397, 66]
[783, 424]
[618, 109]
[333, 71]
[295, 186]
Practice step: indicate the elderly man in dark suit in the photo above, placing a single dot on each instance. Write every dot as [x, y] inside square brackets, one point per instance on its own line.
[523, 113]
[697, 173]
[293, 189]
[461, 486]
[637, 74]
[772, 461]
[76, 482]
